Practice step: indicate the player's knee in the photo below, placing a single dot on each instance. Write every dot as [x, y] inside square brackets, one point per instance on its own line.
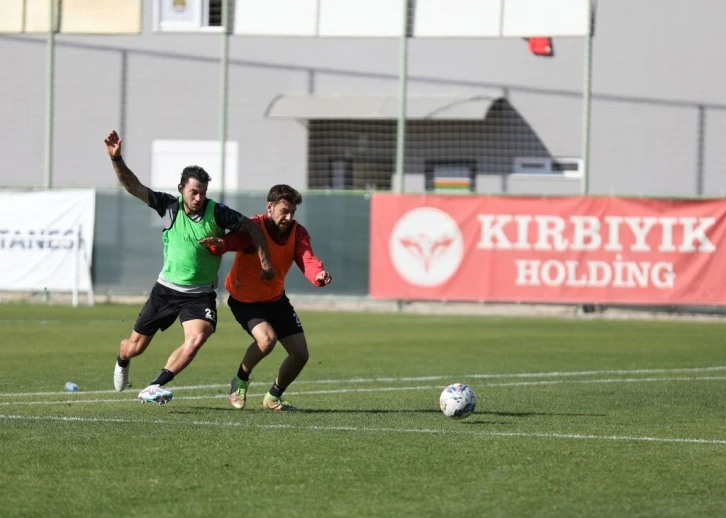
[195, 341]
[301, 357]
[267, 343]
[130, 347]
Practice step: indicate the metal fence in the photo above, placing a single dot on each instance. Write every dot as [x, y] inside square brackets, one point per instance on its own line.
[348, 96]
[203, 80]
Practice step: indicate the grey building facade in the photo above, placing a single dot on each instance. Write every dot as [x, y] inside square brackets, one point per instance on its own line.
[658, 106]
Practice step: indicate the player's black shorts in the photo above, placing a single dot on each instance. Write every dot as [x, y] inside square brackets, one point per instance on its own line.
[165, 305]
[279, 314]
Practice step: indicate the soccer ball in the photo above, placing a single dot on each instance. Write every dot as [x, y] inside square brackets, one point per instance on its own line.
[457, 401]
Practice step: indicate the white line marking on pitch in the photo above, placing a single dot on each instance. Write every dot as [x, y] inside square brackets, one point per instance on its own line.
[216, 396]
[368, 429]
[70, 400]
[419, 378]
[53, 322]
[533, 375]
[614, 380]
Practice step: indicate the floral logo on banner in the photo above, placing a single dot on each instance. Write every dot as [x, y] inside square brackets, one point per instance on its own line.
[179, 5]
[426, 247]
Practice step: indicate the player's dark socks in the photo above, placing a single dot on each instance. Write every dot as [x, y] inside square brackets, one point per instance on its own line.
[276, 391]
[241, 374]
[163, 378]
[123, 363]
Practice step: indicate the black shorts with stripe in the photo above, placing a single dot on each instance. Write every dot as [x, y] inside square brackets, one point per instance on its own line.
[280, 314]
[164, 305]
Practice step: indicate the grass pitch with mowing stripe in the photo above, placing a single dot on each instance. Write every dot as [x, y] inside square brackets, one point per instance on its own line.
[607, 421]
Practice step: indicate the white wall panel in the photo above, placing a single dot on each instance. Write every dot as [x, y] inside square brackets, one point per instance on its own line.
[276, 17]
[524, 18]
[458, 18]
[356, 18]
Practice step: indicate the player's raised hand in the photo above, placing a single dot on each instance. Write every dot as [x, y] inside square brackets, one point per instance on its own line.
[113, 144]
[323, 278]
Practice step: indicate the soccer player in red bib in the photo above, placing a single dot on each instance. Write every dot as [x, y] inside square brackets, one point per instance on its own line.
[261, 307]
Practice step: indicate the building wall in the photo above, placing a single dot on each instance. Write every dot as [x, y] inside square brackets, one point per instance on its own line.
[658, 112]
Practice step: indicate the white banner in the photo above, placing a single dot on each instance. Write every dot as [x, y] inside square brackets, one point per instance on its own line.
[46, 240]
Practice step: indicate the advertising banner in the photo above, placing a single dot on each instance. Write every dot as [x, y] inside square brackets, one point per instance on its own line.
[599, 250]
[46, 240]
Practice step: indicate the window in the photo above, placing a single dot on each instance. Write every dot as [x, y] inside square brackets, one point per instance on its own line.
[558, 166]
[450, 176]
[189, 15]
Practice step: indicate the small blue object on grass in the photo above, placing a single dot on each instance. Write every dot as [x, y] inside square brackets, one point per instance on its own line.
[72, 387]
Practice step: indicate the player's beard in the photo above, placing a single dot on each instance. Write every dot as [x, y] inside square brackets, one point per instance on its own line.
[191, 209]
[282, 225]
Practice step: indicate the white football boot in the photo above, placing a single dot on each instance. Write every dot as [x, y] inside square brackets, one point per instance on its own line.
[155, 394]
[121, 377]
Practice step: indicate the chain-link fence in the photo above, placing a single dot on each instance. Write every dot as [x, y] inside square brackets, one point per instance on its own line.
[485, 96]
[320, 94]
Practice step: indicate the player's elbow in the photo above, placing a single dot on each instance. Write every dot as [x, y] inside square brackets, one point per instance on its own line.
[139, 191]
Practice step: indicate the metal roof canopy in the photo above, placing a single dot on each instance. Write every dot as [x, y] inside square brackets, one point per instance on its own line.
[380, 106]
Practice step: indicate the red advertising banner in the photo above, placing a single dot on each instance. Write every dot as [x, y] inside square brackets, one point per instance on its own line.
[591, 250]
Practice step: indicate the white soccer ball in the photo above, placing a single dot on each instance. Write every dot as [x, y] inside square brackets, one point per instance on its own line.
[457, 401]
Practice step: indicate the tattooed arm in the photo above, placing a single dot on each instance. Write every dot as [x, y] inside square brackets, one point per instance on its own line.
[127, 178]
[260, 242]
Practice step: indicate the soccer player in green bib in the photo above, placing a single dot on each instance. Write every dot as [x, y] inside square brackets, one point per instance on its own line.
[186, 285]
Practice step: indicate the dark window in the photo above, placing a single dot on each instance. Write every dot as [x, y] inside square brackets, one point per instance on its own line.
[451, 175]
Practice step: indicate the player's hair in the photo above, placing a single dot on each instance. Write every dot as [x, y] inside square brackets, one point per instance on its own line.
[196, 172]
[284, 192]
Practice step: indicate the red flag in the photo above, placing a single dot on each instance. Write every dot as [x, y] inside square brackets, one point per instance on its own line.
[541, 46]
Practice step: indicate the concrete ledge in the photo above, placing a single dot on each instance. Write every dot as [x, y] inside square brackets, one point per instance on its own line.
[365, 304]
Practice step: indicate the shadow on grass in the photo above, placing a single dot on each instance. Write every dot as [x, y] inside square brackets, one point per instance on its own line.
[315, 410]
[529, 414]
[391, 411]
[231, 411]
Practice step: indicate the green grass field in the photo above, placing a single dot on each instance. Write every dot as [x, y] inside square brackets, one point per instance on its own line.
[574, 418]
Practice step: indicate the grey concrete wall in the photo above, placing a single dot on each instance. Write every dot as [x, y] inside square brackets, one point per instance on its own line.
[658, 113]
